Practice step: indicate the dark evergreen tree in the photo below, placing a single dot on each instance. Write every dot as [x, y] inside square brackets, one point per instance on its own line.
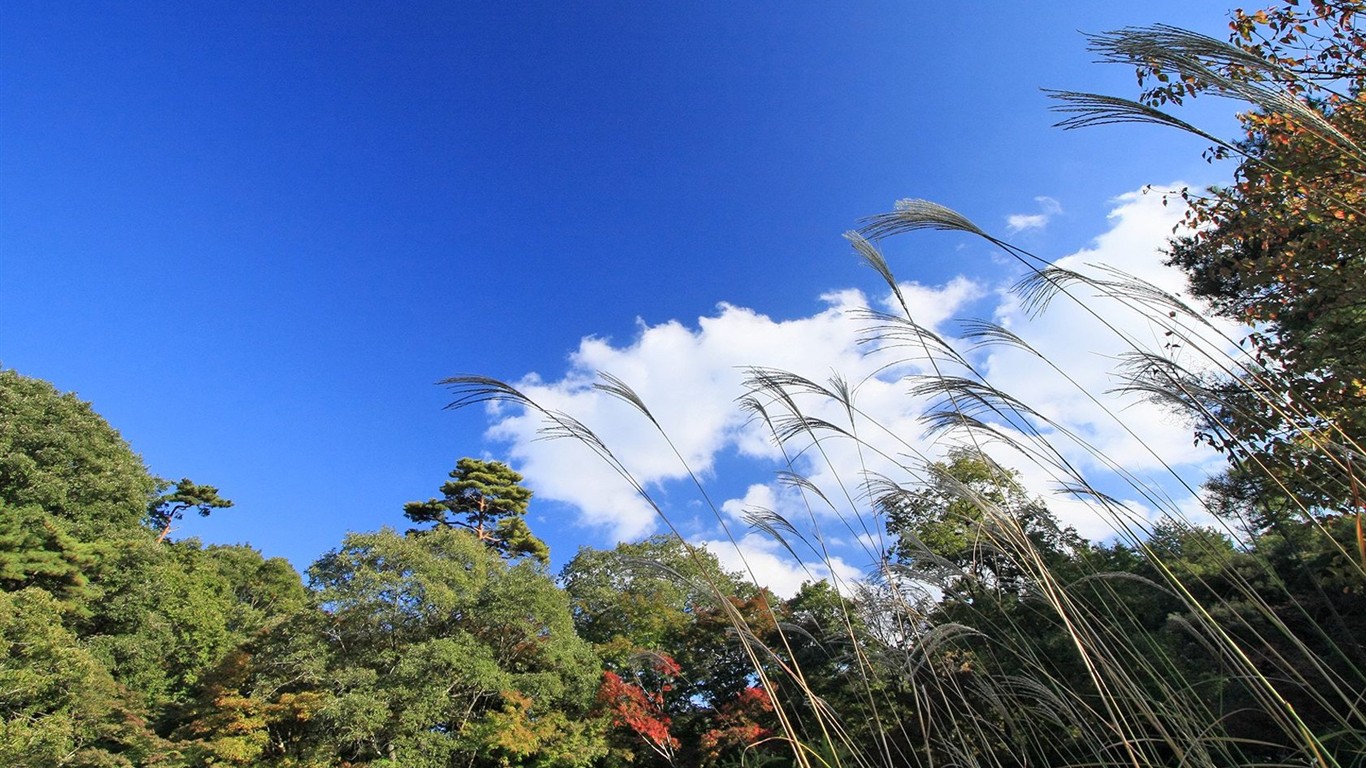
[487, 499]
[176, 500]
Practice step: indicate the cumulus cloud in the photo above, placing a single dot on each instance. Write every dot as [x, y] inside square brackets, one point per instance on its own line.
[1084, 335]
[769, 564]
[690, 376]
[1048, 208]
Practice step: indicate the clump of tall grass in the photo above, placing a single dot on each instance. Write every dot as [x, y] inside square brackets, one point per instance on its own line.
[1172, 644]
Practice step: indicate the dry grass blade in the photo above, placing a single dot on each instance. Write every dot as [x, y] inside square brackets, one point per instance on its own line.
[887, 332]
[874, 259]
[983, 333]
[995, 636]
[1092, 109]
[913, 215]
[477, 390]
[1174, 49]
[1038, 288]
[973, 398]
[611, 385]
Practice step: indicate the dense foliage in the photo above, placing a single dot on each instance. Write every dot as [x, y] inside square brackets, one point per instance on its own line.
[438, 647]
[990, 635]
[1280, 249]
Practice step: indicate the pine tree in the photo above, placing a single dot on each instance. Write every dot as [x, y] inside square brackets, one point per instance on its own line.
[487, 499]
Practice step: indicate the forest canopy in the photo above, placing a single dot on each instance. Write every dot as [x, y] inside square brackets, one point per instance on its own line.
[986, 631]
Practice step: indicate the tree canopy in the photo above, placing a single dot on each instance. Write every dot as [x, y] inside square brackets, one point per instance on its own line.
[1281, 248]
[57, 454]
[423, 650]
[959, 529]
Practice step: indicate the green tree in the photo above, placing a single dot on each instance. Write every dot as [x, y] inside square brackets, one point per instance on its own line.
[37, 550]
[57, 454]
[640, 595]
[487, 499]
[965, 529]
[170, 613]
[1287, 599]
[419, 650]
[59, 706]
[74, 503]
[984, 546]
[174, 501]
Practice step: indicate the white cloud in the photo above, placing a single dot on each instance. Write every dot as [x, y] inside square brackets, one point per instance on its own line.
[690, 379]
[1084, 339]
[1048, 208]
[759, 496]
[1018, 222]
[691, 376]
[769, 564]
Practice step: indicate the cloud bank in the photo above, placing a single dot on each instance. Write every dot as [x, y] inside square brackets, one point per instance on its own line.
[690, 376]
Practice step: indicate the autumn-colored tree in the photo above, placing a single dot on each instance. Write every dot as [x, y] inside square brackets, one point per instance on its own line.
[638, 706]
[663, 595]
[1282, 248]
[745, 723]
[518, 735]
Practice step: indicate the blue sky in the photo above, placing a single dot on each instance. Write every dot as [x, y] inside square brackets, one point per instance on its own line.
[255, 235]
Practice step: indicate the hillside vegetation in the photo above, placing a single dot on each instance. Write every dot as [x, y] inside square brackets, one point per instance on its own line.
[989, 634]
